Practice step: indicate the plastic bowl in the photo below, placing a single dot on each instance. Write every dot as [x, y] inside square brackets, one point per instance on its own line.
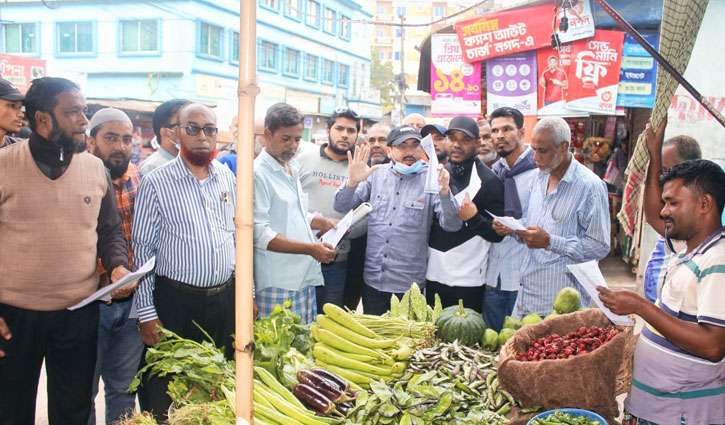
[574, 412]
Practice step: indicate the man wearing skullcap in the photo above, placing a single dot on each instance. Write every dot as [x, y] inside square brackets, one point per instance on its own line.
[119, 340]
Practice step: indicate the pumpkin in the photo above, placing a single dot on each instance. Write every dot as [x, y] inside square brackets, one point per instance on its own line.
[464, 324]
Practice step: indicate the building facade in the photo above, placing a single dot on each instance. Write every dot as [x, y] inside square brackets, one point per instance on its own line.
[152, 51]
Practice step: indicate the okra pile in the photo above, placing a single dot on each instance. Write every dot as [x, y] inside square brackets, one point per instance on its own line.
[469, 371]
[554, 346]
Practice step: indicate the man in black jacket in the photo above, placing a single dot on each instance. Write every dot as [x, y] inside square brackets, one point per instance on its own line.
[457, 261]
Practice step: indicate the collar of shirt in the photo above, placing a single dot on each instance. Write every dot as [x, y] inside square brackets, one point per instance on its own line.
[131, 172]
[708, 243]
[519, 159]
[568, 177]
[324, 154]
[275, 166]
[166, 154]
[180, 170]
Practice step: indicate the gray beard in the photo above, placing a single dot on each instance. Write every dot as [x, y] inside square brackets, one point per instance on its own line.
[488, 158]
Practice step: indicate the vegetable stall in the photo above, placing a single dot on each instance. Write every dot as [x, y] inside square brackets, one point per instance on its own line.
[416, 364]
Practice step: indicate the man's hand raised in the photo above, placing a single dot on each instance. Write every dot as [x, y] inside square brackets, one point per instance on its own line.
[654, 139]
[357, 166]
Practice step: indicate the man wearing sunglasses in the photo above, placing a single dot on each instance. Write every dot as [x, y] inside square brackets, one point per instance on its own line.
[322, 172]
[400, 221]
[185, 218]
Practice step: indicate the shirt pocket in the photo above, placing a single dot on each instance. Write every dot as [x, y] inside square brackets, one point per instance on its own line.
[413, 214]
[380, 207]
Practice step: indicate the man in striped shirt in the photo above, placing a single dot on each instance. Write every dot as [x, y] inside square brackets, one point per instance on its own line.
[679, 362]
[567, 223]
[185, 217]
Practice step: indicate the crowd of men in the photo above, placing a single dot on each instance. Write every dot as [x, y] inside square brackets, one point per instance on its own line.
[76, 215]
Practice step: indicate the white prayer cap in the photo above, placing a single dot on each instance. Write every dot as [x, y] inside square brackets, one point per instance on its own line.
[107, 114]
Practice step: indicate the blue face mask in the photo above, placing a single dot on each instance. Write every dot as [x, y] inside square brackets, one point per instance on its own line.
[408, 169]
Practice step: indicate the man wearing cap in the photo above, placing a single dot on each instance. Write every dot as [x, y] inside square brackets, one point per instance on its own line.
[457, 261]
[119, 340]
[11, 112]
[517, 170]
[438, 133]
[401, 217]
[58, 214]
[164, 121]
[184, 216]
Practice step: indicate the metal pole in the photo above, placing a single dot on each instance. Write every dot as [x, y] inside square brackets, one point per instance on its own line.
[402, 68]
[661, 60]
[244, 219]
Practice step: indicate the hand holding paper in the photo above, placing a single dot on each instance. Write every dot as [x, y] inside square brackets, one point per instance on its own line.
[432, 184]
[509, 222]
[591, 279]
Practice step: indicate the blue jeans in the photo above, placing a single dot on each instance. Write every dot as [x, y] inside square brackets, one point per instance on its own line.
[333, 291]
[497, 304]
[119, 355]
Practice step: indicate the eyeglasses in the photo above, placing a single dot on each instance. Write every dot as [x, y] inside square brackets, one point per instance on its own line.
[193, 130]
[345, 110]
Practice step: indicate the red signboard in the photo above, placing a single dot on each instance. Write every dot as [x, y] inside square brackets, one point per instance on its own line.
[20, 71]
[506, 32]
[519, 30]
[594, 72]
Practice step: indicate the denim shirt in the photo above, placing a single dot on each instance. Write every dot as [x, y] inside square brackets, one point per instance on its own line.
[398, 226]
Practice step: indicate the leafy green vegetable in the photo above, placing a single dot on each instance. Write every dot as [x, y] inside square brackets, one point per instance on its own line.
[275, 336]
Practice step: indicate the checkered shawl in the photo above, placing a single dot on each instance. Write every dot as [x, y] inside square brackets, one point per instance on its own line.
[681, 21]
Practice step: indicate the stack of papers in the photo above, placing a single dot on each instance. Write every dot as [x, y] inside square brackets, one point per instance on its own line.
[589, 276]
[334, 236]
[510, 222]
[104, 294]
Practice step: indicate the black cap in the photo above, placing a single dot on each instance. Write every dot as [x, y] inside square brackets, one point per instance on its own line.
[9, 92]
[402, 133]
[427, 129]
[465, 124]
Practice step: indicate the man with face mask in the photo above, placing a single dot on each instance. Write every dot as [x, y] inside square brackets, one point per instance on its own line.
[400, 221]
[119, 341]
[567, 222]
[322, 172]
[457, 261]
[164, 121]
[58, 213]
[438, 133]
[184, 216]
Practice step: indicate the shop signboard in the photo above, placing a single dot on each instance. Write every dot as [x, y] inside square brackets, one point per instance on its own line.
[594, 72]
[455, 85]
[20, 71]
[513, 31]
[553, 81]
[511, 81]
[638, 76]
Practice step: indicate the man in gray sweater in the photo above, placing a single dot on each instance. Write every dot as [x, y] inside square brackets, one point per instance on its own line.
[322, 172]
